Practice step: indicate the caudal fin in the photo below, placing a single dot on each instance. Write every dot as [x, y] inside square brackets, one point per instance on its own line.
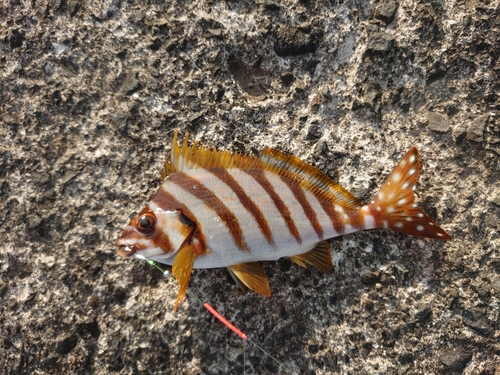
[394, 206]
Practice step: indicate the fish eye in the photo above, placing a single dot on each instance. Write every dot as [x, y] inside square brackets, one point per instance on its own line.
[146, 223]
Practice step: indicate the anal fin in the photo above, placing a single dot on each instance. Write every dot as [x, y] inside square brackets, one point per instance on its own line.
[182, 267]
[319, 257]
[242, 287]
[253, 276]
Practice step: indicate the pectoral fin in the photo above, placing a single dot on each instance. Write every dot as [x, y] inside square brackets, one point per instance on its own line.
[253, 276]
[318, 257]
[181, 269]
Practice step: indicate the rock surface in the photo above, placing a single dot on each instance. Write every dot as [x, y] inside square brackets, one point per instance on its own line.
[90, 93]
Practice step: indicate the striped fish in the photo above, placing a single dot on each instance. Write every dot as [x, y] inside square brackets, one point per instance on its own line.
[218, 209]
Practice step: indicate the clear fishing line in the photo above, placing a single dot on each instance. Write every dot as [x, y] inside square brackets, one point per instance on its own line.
[216, 314]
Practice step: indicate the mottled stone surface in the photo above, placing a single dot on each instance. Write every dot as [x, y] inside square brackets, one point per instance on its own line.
[90, 93]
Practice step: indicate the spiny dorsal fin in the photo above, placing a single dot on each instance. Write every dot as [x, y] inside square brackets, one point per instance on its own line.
[187, 157]
[319, 257]
[253, 276]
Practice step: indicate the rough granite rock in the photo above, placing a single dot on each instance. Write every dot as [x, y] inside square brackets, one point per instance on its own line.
[90, 93]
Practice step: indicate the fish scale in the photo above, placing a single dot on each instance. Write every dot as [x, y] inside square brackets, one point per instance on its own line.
[218, 209]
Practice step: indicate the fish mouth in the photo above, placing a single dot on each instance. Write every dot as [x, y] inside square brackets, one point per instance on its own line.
[127, 250]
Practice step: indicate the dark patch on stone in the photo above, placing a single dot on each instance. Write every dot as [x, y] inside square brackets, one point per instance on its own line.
[313, 349]
[244, 77]
[315, 131]
[287, 79]
[156, 45]
[380, 42]
[385, 10]
[423, 313]
[89, 329]
[406, 358]
[70, 65]
[371, 95]
[311, 66]
[455, 359]
[372, 277]
[67, 345]
[285, 266]
[436, 73]
[293, 41]
[16, 39]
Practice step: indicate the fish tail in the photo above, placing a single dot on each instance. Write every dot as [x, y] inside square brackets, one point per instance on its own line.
[394, 206]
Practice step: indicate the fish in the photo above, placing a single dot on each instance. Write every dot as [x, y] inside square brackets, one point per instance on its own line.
[216, 208]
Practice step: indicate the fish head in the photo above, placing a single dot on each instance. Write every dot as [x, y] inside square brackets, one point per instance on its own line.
[156, 234]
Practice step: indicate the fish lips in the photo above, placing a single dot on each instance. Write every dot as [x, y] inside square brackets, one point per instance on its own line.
[127, 250]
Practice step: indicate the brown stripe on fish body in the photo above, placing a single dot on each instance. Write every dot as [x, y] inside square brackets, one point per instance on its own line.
[260, 177]
[160, 239]
[334, 212]
[337, 217]
[356, 217]
[299, 195]
[376, 212]
[167, 202]
[245, 200]
[194, 187]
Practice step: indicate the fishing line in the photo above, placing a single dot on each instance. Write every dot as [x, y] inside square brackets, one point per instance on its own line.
[214, 312]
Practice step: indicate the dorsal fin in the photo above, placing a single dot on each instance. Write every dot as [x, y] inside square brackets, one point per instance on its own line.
[307, 175]
[187, 157]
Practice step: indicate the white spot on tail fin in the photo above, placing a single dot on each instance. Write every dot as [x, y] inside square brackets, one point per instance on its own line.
[420, 228]
[412, 159]
[411, 172]
[401, 202]
[396, 177]
[398, 225]
[405, 185]
[369, 222]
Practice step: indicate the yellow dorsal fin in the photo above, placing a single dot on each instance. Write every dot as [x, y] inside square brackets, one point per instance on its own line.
[187, 157]
[253, 276]
[319, 257]
[307, 176]
[181, 269]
